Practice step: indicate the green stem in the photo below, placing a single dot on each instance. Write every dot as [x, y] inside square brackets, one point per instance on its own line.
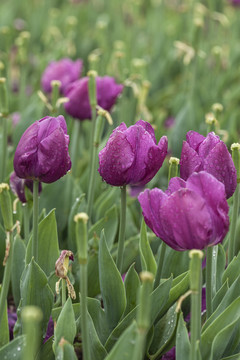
[35, 220]
[91, 186]
[63, 292]
[84, 314]
[214, 270]
[91, 144]
[25, 208]
[74, 146]
[6, 279]
[122, 227]
[4, 149]
[232, 235]
[209, 281]
[160, 265]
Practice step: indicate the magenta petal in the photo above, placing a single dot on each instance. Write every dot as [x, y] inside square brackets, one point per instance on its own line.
[186, 221]
[219, 163]
[194, 139]
[151, 202]
[148, 127]
[213, 192]
[190, 161]
[208, 144]
[175, 184]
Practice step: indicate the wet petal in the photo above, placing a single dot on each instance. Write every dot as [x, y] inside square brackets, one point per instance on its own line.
[190, 161]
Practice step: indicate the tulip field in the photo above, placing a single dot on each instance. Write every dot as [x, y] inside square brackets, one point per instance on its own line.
[119, 180]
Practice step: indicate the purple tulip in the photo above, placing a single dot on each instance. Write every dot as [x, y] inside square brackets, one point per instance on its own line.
[235, 2]
[64, 70]
[131, 155]
[17, 186]
[188, 215]
[209, 154]
[42, 152]
[12, 318]
[78, 105]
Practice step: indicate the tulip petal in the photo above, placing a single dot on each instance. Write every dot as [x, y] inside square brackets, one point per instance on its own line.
[190, 161]
[208, 144]
[194, 139]
[175, 184]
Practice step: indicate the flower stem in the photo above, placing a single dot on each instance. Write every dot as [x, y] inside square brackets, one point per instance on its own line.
[35, 220]
[209, 281]
[31, 318]
[25, 208]
[195, 286]
[122, 227]
[6, 278]
[160, 265]
[74, 145]
[63, 292]
[4, 149]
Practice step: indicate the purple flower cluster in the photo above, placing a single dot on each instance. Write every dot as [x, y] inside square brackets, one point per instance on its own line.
[78, 105]
[42, 152]
[131, 155]
[64, 70]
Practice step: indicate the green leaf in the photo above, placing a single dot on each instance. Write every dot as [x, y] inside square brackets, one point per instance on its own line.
[65, 351]
[110, 225]
[105, 201]
[36, 291]
[111, 284]
[219, 295]
[231, 314]
[93, 275]
[159, 298]
[147, 258]
[164, 331]
[46, 352]
[98, 317]
[124, 347]
[175, 262]
[97, 350]
[232, 271]
[4, 330]
[182, 340]
[221, 264]
[232, 357]
[14, 349]
[132, 285]
[131, 251]
[72, 225]
[48, 249]
[18, 265]
[66, 326]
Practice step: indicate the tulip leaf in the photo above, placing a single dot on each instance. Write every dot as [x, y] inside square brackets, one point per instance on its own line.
[230, 315]
[232, 293]
[98, 317]
[124, 347]
[105, 201]
[93, 275]
[66, 326]
[97, 350]
[65, 351]
[232, 271]
[110, 225]
[72, 225]
[2, 250]
[46, 352]
[111, 284]
[175, 262]
[164, 332]
[182, 340]
[232, 357]
[14, 349]
[36, 291]
[131, 251]
[219, 295]
[18, 265]
[159, 298]
[4, 330]
[147, 258]
[221, 264]
[48, 249]
[132, 285]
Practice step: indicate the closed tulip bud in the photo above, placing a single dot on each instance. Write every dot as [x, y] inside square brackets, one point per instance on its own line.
[190, 214]
[78, 105]
[209, 154]
[131, 155]
[64, 70]
[42, 152]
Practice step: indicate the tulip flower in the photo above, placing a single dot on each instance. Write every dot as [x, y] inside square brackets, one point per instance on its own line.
[42, 152]
[17, 186]
[190, 214]
[64, 70]
[209, 154]
[235, 2]
[131, 155]
[78, 105]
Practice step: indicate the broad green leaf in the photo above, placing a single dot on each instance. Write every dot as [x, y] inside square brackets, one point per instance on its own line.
[65, 351]
[147, 258]
[232, 357]
[221, 264]
[231, 314]
[164, 331]
[14, 349]
[110, 225]
[232, 293]
[18, 265]
[111, 284]
[232, 271]
[105, 201]
[46, 352]
[93, 275]
[175, 262]
[66, 326]
[182, 340]
[98, 317]
[72, 225]
[124, 347]
[132, 285]
[4, 330]
[131, 251]
[97, 350]
[159, 298]
[48, 249]
[219, 295]
[36, 291]
[57, 311]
